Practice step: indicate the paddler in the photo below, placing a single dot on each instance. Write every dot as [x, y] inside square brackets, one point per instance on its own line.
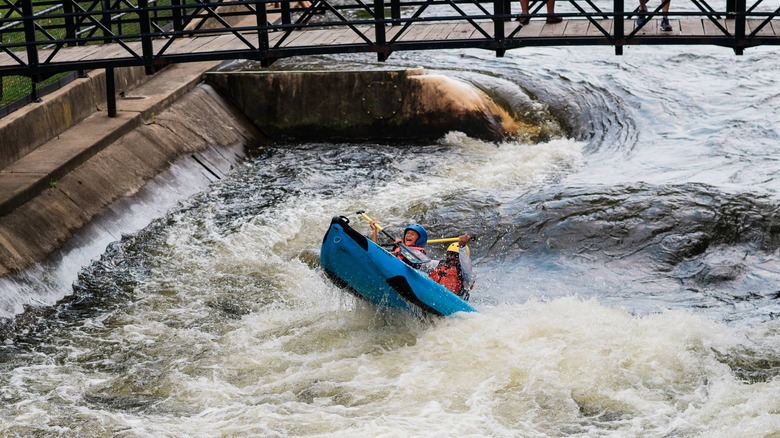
[415, 238]
[455, 271]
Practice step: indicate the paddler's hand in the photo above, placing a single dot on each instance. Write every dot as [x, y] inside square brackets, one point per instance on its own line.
[463, 239]
[374, 230]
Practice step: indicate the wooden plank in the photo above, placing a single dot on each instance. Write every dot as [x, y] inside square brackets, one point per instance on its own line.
[353, 36]
[217, 43]
[237, 44]
[571, 27]
[487, 26]
[440, 31]
[367, 31]
[650, 28]
[510, 27]
[400, 33]
[273, 37]
[307, 38]
[189, 45]
[345, 36]
[595, 31]
[158, 45]
[8, 60]
[691, 27]
[575, 27]
[532, 29]
[72, 54]
[628, 26]
[332, 34]
[752, 24]
[710, 29]
[461, 31]
[555, 29]
[115, 50]
[290, 40]
[416, 32]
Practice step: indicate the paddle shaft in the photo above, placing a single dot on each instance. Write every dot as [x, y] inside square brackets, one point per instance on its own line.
[444, 240]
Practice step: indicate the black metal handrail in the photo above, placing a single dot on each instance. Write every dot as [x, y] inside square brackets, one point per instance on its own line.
[70, 22]
[33, 34]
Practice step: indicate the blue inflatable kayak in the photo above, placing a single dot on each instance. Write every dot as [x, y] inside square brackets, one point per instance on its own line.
[352, 260]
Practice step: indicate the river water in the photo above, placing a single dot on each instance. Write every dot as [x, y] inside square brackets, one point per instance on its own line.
[627, 263]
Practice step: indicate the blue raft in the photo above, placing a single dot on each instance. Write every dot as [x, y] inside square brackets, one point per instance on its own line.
[352, 260]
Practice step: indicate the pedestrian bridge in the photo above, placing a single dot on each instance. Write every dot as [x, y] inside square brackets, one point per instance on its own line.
[40, 38]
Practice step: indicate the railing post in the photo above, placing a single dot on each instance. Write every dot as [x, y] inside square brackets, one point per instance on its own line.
[105, 20]
[619, 21]
[498, 26]
[178, 23]
[29, 38]
[34, 96]
[379, 27]
[71, 30]
[731, 8]
[147, 48]
[286, 14]
[395, 11]
[110, 92]
[739, 26]
[70, 23]
[261, 15]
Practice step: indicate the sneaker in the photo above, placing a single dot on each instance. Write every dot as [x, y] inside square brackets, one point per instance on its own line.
[553, 20]
[665, 26]
[641, 17]
[524, 20]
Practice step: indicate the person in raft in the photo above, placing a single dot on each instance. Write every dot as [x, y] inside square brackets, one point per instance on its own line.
[415, 238]
[454, 272]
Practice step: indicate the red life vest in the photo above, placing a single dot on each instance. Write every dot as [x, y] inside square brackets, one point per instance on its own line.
[448, 276]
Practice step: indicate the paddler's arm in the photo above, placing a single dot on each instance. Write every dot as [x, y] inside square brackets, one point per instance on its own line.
[466, 268]
[374, 231]
[428, 267]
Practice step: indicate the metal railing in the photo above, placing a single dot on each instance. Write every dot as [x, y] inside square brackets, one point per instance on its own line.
[36, 34]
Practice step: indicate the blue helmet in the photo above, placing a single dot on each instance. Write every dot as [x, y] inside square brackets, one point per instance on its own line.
[423, 239]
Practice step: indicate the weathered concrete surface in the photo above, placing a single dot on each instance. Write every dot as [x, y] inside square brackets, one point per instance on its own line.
[63, 160]
[38, 227]
[23, 179]
[400, 105]
[28, 128]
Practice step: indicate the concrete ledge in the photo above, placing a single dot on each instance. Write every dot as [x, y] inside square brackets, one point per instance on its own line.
[41, 168]
[162, 90]
[195, 123]
[22, 180]
[23, 131]
[395, 105]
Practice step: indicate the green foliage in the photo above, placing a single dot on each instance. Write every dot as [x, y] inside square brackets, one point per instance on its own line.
[52, 31]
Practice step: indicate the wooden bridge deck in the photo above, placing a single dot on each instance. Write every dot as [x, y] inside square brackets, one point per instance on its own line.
[533, 34]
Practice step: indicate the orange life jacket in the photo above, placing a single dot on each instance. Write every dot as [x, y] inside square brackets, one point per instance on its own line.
[449, 276]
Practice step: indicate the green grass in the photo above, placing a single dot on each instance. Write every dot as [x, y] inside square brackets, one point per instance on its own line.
[15, 88]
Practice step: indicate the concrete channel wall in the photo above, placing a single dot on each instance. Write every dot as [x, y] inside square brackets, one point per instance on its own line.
[146, 144]
[23, 131]
[387, 105]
